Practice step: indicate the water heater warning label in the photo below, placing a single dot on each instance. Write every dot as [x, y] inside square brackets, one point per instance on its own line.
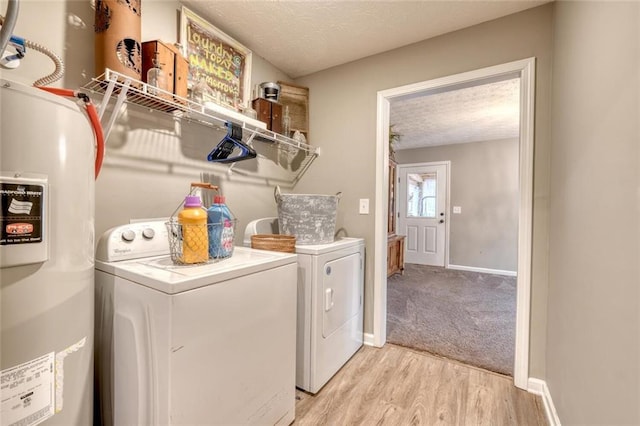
[27, 392]
[21, 213]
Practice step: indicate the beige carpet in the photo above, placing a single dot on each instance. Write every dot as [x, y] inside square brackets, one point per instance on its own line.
[466, 316]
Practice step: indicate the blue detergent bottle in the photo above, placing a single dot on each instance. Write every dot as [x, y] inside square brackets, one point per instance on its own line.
[220, 222]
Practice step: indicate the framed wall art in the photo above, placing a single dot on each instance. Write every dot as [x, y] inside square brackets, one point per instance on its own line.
[217, 60]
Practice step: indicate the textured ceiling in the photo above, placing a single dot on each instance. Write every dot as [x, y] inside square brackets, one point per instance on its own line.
[472, 114]
[303, 37]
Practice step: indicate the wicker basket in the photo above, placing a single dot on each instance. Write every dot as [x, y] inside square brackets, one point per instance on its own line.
[274, 242]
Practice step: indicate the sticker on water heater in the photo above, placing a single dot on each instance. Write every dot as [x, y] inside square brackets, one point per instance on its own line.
[19, 228]
[21, 213]
[20, 207]
[27, 392]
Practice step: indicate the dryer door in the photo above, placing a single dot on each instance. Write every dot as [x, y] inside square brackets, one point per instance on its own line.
[341, 292]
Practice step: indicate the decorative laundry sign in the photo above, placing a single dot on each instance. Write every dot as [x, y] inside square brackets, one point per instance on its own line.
[217, 60]
[21, 213]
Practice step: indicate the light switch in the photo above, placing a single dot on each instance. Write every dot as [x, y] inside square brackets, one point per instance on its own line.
[457, 209]
[364, 206]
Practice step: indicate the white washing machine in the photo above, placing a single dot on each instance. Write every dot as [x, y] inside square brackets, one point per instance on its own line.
[208, 344]
[330, 305]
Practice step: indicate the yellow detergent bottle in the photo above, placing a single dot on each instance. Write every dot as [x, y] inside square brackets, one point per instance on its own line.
[195, 240]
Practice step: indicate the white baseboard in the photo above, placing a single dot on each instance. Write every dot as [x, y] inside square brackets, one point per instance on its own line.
[368, 339]
[539, 387]
[483, 270]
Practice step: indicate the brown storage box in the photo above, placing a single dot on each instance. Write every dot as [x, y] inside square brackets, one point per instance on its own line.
[269, 113]
[174, 65]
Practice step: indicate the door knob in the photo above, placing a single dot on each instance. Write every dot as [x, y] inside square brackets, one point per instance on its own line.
[442, 214]
[441, 221]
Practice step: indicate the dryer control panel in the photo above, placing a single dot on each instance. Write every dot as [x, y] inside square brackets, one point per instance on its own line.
[133, 241]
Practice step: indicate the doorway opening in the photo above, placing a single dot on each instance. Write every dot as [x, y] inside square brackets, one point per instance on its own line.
[525, 70]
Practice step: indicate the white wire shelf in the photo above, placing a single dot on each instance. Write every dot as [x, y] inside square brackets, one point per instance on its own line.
[127, 89]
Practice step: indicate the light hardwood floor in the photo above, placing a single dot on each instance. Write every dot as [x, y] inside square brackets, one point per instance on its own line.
[399, 386]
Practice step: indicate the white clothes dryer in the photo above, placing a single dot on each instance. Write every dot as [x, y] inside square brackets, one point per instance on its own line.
[208, 344]
[330, 305]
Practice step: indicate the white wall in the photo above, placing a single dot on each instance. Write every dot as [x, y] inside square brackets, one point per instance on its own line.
[593, 349]
[343, 121]
[484, 183]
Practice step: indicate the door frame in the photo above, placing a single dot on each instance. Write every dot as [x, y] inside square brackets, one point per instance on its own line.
[525, 69]
[447, 223]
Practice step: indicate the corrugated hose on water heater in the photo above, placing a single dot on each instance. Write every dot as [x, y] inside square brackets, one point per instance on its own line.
[5, 36]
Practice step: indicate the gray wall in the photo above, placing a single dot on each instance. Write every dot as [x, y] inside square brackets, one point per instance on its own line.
[593, 356]
[484, 183]
[154, 183]
[148, 164]
[342, 113]
[343, 121]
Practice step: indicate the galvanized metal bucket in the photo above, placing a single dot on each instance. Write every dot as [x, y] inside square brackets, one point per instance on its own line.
[311, 218]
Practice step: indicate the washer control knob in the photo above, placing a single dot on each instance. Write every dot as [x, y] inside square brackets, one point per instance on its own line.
[148, 233]
[128, 235]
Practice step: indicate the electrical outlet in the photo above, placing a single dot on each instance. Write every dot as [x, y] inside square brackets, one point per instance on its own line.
[364, 206]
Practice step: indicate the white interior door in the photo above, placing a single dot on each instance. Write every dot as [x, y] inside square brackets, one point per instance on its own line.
[422, 201]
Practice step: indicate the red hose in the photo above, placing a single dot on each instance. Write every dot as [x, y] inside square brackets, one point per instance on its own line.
[97, 130]
[62, 92]
[93, 117]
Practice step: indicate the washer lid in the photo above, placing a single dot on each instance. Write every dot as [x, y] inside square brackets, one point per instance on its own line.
[162, 274]
[342, 243]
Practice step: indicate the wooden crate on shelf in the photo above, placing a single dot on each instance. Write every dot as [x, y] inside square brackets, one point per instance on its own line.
[297, 99]
[174, 65]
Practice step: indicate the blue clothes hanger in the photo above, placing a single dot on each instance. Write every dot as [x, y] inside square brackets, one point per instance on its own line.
[231, 142]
